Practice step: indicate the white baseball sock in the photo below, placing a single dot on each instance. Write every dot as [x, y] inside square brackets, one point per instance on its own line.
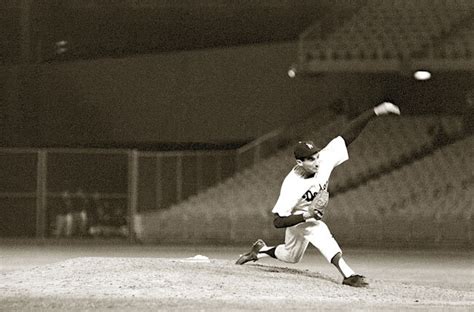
[341, 265]
[344, 268]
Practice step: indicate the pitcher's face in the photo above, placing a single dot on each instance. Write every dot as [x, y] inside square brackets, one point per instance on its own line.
[310, 164]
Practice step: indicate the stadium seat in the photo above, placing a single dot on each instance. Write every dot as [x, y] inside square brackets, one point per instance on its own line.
[397, 29]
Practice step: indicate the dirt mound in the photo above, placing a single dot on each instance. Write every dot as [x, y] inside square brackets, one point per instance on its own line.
[157, 283]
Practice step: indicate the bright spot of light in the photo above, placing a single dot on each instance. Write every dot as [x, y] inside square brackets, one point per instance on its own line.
[292, 72]
[422, 75]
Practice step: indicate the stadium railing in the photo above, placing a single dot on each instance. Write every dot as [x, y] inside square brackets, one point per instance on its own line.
[33, 181]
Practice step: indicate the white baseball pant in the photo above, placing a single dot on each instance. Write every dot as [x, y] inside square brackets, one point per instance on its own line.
[298, 237]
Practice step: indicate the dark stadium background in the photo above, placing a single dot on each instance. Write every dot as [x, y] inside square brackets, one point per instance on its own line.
[150, 103]
[138, 134]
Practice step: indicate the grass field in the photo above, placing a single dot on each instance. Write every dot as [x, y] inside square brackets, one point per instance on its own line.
[105, 276]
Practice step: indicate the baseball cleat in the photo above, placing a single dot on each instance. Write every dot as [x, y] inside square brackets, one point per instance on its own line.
[355, 281]
[252, 254]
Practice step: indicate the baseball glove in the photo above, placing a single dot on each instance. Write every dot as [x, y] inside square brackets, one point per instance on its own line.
[319, 203]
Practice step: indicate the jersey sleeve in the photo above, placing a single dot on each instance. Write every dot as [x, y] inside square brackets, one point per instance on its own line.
[335, 153]
[331, 156]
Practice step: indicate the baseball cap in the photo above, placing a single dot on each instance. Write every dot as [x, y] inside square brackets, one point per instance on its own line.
[305, 149]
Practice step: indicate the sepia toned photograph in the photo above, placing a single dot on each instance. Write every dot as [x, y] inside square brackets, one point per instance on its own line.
[236, 155]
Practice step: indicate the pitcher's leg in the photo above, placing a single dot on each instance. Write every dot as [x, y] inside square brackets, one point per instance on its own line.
[320, 236]
[292, 251]
[295, 244]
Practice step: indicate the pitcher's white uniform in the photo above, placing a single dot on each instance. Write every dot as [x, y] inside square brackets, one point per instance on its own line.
[296, 195]
[301, 203]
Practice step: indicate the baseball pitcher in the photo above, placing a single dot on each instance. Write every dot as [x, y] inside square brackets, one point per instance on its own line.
[304, 197]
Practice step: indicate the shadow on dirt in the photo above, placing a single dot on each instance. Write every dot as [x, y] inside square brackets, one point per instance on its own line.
[307, 273]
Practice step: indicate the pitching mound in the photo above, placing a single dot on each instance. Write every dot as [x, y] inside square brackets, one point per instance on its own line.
[140, 284]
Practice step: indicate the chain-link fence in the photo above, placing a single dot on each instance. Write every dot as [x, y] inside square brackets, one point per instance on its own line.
[96, 192]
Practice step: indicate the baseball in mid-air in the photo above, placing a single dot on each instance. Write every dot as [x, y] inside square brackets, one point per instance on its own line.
[422, 75]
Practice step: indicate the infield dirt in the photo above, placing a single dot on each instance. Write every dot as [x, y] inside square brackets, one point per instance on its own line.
[145, 284]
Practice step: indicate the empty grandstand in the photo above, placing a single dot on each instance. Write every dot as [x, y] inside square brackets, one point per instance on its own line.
[397, 184]
[390, 35]
[390, 189]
